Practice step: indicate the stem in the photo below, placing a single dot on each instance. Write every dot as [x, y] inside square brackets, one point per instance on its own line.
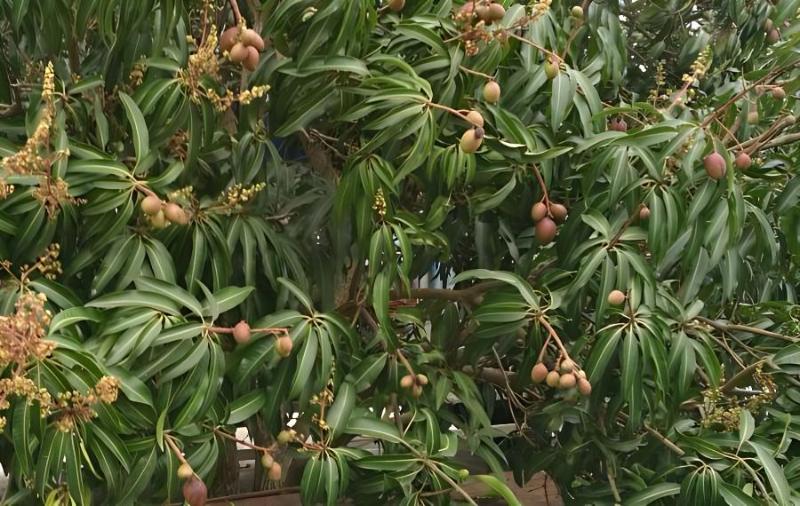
[544, 348]
[142, 187]
[759, 142]
[613, 484]
[679, 96]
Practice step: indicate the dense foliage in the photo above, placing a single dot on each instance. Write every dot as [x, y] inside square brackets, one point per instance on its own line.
[409, 207]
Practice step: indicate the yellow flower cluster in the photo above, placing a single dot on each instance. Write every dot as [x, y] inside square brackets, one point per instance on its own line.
[48, 263]
[379, 203]
[699, 66]
[238, 195]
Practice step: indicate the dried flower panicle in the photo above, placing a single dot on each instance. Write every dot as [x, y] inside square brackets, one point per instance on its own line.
[53, 194]
[179, 144]
[34, 157]
[71, 408]
[22, 333]
[22, 343]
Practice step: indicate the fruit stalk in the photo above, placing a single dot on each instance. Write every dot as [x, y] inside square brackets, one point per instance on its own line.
[552, 55]
[552, 332]
[175, 450]
[539, 178]
[448, 109]
[224, 434]
[475, 72]
[237, 14]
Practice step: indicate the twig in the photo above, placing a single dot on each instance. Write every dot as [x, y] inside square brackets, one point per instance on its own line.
[731, 383]
[552, 55]
[755, 144]
[745, 328]
[729, 134]
[544, 348]
[613, 484]
[476, 73]
[718, 112]
[240, 441]
[614, 240]
[443, 475]
[666, 442]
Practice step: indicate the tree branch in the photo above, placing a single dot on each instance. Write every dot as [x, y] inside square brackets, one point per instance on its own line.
[729, 327]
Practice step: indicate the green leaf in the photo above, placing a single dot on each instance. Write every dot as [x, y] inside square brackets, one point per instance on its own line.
[747, 425]
[370, 427]
[602, 351]
[141, 137]
[136, 298]
[200, 351]
[298, 293]
[563, 92]
[364, 374]
[499, 488]
[246, 406]
[228, 298]
[175, 293]
[777, 479]
[506, 277]
[74, 315]
[305, 364]
[51, 455]
[21, 435]
[653, 493]
[75, 472]
[139, 477]
[133, 388]
[341, 409]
